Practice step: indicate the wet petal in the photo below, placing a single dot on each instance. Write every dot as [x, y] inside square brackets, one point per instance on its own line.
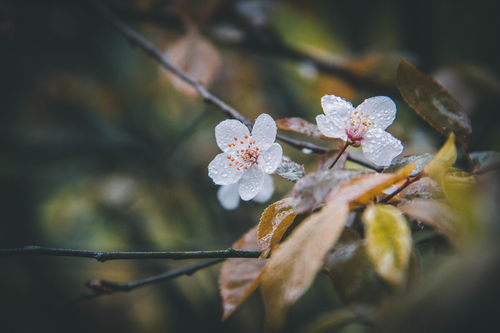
[270, 159]
[336, 108]
[251, 183]
[267, 189]
[221, 172]
[230, 131]
[329, 127]
[381, 147]
[264, 131]
[228, 196]
[380, 110]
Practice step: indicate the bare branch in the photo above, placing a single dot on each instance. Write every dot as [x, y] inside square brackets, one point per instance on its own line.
[105, 256]
[103, 287]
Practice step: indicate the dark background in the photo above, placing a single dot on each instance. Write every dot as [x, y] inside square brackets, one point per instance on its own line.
[100, 151]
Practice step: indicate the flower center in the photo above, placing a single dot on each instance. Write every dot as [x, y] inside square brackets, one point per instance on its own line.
[246, 154]
[357, 125]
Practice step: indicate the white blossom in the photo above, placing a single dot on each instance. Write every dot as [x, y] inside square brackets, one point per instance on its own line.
[229, 196]
[364, 125]
[246, 157]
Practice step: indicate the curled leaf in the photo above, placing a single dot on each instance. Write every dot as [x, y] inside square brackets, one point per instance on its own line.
[389, 242]
[443, 160]
[432, 102]
[290, 170]
[274, 222]
[240, 277]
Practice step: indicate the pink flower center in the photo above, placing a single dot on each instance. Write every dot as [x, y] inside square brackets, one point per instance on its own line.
[357, 125]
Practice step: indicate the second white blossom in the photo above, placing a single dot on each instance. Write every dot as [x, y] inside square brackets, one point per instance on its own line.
[364, 125]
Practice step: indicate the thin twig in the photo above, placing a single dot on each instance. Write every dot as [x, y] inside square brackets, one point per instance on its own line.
[137, 39]
[347, 144]
[103, 287]
[105, 256]
[409, 181]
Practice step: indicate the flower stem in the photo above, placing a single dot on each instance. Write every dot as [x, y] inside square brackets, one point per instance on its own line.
[347, 144]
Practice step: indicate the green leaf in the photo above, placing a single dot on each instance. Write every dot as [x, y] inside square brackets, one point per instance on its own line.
[389, 242]
[432, 102]
[354, 277]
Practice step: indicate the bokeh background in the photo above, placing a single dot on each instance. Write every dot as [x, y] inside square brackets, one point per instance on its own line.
[103, 150]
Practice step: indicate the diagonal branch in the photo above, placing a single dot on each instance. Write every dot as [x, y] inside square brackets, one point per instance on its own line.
[105, 256]
[138, 40]
[103, 287]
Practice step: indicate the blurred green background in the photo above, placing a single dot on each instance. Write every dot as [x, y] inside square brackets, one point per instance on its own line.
[101, 150]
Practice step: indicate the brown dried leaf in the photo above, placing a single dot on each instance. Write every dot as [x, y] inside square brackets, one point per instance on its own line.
[240, 277]
[310, 191]
[299, 125]
[432, 102]
[293, 265]
[274, 222]
[197, 57]
[434, 214]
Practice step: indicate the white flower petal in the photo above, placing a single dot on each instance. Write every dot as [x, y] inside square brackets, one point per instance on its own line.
[228, 196]
[267, 190]
[270, 159]
[380, 110]
[221, 172]
[226, 132]
[380, 147]
[251, 183]
[264, 131]
[336, 107]
[330, 128]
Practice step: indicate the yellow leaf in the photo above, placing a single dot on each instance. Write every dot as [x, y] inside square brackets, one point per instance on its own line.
[443, 160]
[274, 222]
[240, 277]
[362, 189]
[434, 214]
[389, 242]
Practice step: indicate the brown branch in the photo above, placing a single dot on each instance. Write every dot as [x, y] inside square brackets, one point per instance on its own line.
[103, 287]
[409, 181]
[105, 256]
[138, 40]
